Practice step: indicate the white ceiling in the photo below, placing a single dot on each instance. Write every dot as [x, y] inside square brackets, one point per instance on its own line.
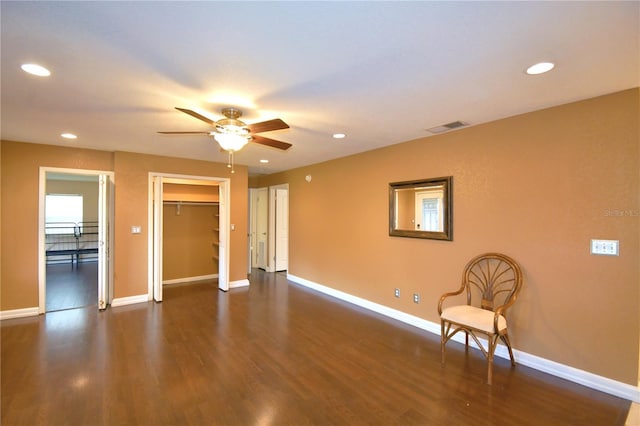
[381, 72]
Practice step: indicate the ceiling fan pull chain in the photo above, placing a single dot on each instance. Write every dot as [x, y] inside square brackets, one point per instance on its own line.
[230, 162]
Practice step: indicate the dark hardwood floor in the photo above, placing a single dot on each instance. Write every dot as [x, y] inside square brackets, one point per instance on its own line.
[271, 354]
[71, 287]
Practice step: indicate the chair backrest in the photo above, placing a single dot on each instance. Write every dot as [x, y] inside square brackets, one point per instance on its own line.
[491, 280]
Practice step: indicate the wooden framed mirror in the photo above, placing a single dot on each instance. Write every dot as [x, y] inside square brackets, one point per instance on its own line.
[422, 208]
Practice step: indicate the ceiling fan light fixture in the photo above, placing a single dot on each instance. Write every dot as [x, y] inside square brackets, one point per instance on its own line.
[231, 141]
[230, 125]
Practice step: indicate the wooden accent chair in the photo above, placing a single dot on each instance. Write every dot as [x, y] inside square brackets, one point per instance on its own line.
[492, 282]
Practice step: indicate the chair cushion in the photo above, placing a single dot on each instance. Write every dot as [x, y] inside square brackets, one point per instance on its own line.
[480, 319]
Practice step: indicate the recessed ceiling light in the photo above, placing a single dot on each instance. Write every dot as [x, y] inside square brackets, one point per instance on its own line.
[264, 161]
[339, 135]
[540, 68]
[36, 69]
[69, 136]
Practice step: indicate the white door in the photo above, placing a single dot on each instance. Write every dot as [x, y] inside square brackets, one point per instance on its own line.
[157, 238]
[104, 227]
[223, 248]
[282, 230]
[262, 213]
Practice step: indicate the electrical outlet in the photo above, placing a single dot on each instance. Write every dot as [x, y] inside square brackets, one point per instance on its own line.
[396, 292]
[606, 247]
[416, 297]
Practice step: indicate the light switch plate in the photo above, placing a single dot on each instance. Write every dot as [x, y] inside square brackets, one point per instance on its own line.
[136, 229]
[605, 247]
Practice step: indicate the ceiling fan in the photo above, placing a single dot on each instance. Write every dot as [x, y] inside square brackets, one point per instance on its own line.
[233, 134]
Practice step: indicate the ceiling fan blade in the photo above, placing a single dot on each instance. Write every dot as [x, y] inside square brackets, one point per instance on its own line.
[270, 142]
[184, 133]
[267, 126]
[196, 115]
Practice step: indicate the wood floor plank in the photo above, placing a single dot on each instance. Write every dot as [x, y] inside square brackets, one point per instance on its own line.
[271, 354]
[70, 287]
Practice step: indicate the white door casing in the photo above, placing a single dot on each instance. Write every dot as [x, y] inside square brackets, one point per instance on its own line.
[157, 237]
[104, 226]
[225, 226]
[262, 212]
[155, 220]
[105, 231]
[282, 230]
[272, 239]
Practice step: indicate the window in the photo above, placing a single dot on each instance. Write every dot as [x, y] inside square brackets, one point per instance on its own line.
[62, 212]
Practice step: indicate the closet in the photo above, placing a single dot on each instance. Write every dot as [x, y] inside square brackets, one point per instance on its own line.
[190, 232]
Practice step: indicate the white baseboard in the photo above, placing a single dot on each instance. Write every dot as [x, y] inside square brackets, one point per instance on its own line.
[239, 283]
[190, 279]
[19, 313]
[130, 300]
[593, 381]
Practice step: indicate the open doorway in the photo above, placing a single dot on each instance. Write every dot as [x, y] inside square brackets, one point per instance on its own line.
[74, 236]
[189, 219]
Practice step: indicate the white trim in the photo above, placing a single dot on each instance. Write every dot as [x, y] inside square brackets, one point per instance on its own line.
[593, 381]
[271, 227]
[224, 185]
[42, 182]
[130, 300]
[239, 283]
[190, 279]
[19, 313]
[150, 237]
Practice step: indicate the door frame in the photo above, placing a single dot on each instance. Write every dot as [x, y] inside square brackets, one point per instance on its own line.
[154, 287]
[42, 258]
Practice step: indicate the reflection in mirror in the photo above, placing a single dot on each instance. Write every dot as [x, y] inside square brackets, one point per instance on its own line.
[421, 208]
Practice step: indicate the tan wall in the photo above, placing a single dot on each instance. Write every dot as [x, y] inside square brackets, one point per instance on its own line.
[537, 187]
[188, 237]
[88, 190]
[19, 226]
[21, 164]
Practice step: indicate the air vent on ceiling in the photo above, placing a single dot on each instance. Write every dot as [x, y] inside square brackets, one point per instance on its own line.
[446, 127]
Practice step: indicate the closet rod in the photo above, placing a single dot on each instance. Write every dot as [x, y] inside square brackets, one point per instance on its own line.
[191, 203]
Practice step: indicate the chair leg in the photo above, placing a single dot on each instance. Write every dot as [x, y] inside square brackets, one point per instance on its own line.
[442, 340]
[466, 342]
[505, 339]
[493, 340]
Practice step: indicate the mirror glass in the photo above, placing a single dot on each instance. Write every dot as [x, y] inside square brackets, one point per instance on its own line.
[421, 208]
